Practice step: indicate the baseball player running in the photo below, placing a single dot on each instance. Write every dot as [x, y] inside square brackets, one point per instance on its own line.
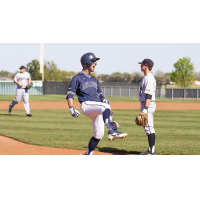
[93, 103]
[148, 105]
[22, 79]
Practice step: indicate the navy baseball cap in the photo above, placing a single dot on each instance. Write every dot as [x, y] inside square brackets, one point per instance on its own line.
[22, 67]
[148, 62]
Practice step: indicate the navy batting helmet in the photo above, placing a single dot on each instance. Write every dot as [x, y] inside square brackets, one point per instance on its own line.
[87, 59]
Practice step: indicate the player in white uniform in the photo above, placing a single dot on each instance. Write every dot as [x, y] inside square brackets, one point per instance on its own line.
[22, 79]
[148, 105]
[93, 103]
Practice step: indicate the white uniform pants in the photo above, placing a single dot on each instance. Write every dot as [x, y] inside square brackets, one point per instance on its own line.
[150, 126]
[94, 111]
[21, 93]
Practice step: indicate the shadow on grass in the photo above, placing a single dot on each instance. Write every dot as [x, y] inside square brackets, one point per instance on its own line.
[115, 151]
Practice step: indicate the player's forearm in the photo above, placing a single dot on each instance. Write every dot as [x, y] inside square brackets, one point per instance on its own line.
[147, 102]
[18, 83]
[70, 102]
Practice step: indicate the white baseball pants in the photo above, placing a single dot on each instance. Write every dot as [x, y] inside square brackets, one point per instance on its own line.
[21, 93]
[150, 126]
[94, 111]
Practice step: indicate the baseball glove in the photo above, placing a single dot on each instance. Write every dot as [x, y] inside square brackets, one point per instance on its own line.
[28, 87]
[141, 120]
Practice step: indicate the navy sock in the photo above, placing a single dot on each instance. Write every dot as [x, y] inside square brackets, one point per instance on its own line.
[151, 139]
[92, 144]
[106, 115]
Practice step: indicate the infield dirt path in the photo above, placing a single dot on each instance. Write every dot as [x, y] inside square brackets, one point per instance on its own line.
[9, 146]
[114, 105]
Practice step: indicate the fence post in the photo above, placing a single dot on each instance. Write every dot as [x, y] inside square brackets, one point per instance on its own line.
[129, 93]
[184, 93]
[111, 91]
[119, 91]
[172, 93]
[104, 91]
[197, 93]
[161, 92]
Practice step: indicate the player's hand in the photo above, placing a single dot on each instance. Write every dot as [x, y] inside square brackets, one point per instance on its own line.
[74, 113]
[106, 101]
[20, 84]
[141, 120]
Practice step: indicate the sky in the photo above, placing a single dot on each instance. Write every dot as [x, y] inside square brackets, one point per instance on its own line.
[114, 57]
[120, 34]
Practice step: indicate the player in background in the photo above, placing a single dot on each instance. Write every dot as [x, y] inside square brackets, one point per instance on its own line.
[148, 105]
[93, 103]
[22, 79]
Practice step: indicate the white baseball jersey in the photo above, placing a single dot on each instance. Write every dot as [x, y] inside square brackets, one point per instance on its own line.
[22, 78]
[148, 86]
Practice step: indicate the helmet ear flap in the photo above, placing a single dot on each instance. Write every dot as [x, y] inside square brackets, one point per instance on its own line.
[86, 65]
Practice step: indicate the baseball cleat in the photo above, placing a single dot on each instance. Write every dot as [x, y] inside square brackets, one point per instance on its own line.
[85, 153]
[29, 115]
[9, 110]
[148, 153]
[114, 134]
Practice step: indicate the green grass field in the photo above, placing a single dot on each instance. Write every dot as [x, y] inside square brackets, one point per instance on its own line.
[177, 132]
[62, 98]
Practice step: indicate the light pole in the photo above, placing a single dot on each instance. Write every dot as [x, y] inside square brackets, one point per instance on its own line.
[42, 60]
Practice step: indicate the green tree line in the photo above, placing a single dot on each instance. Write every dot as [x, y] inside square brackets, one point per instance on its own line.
[183, 74]
[51, 72]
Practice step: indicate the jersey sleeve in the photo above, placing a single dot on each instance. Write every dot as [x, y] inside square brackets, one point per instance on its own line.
[72, 88]
[15, 79]
[99, 91]
[149, 87]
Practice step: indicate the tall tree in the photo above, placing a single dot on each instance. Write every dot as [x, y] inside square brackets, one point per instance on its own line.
[33, 68]
[184, 72]
[51, 72]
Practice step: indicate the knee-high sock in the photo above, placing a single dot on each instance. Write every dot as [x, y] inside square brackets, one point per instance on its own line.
[92, 145]
[13, 103]
[106, 119]
[106, 115]
[152, 139]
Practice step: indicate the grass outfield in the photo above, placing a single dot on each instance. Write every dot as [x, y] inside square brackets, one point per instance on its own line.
[177, 132]
[111, 99]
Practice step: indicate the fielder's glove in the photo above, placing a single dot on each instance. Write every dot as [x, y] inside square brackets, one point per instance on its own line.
[106, 101]
[74, 113]
[28, 87]
[141, 120]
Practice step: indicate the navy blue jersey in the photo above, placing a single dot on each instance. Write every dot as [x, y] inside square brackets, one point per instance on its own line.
[86, 87]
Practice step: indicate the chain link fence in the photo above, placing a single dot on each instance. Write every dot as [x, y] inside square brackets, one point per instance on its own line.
[108, 89]
[182, 93]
